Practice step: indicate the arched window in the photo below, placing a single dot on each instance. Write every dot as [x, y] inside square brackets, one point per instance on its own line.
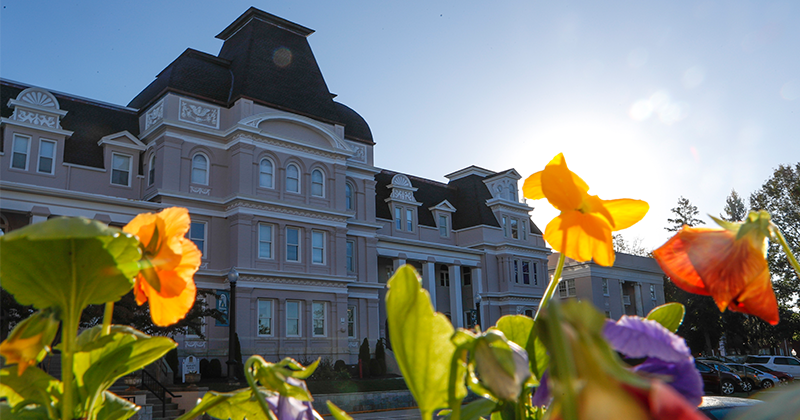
[349, 199]
[292, 178]
[317, 183]
[151, 170]
[265, 173]
[200, 169]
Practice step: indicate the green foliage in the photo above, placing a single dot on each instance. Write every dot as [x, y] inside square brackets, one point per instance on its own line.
[380, 357]
[340, 366]
[735, 210]
[685, 214]
[337, 412]
[519, 329]
[421, 341]
[375, 368]
[670, 315]
[363, 351]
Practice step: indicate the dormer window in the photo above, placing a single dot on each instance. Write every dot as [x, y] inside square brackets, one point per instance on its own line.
[19, 153]
[409, 220]
[398, 218]
[200, 169]
[444, 230]
[47, 155]
[120, 169]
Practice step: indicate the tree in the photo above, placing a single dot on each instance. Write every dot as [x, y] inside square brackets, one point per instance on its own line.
[780, 196]
[685, 214]
[634, 247]
[735, 210]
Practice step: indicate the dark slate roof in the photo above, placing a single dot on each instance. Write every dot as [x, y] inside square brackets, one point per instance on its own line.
[266, 59]
[88, 120]
[468, 195]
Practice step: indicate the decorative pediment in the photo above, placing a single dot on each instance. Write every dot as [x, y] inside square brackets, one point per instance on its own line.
[123, 139]
[36, 106]
[443, 206]
[503, 186]
[297, 129]
[402, 190]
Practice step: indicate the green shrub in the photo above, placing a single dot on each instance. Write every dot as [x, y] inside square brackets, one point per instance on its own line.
[340, 366]
[380, 355]
[374, 368]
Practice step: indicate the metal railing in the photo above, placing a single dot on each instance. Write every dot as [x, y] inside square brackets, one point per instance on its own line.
[150, 383]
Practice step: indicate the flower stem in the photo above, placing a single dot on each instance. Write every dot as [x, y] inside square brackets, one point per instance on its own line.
[107, 314]
[69, 341]
[787, 251]
[551, 287]
[248, 374]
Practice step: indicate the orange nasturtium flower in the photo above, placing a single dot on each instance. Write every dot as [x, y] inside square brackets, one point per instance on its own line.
[169, 262]
[728, 264]
[583, 229]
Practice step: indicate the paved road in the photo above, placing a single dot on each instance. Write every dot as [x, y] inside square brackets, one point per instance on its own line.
[405, 414]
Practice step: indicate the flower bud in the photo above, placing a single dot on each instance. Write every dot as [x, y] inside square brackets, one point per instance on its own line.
[502, 365]
[30, 340]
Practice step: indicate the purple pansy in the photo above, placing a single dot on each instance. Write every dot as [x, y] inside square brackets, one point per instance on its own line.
[666, 354]
[541, 398]
[288, 408]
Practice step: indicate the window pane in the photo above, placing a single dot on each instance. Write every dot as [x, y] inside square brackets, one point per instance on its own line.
[265, 317]
[292, 318]
[526, 272]
[398, 218]
[151, 176]
[442, 225]
[351, 321]
[199, 169]
[292, 179]
[409, 220]
[47, 149]
[351, 266]
[120, 169]
[318, 313]
[265, 174]
[21, 145]
[292, 244]
[348, 196]
[264, 241]
[514, 229]
[197, 234]
[316, 183]
[317, 247]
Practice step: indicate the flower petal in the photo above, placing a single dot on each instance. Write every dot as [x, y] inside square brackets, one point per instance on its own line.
[581, 237]
[167, 311]
[638, 337]
[674, 260]
[563, 189]
[681, 376]
[532, 187]
[626, 212]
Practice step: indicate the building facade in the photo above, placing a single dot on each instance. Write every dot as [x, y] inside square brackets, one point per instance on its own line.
[280, 182]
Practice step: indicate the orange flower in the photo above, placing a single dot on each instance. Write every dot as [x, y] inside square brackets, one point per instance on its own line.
[729, 264]
[583, 229]
[169, 263]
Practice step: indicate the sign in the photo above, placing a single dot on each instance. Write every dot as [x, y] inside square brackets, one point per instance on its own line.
[190, 365]
[223, 303]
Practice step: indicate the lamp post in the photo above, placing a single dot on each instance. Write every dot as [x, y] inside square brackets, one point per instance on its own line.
[233, 277]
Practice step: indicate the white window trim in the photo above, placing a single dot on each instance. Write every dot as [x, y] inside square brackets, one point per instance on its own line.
[151, 170]
[270, 240]
[412, 221]
[350, 269]
[514, 225]
[355, 322]
[39, 159]
[322, 183]
[130, 169]
[324, 319]
[207, 170]
[446, 218]
[299, 179]
[205, 235]
[271, 318]
[299, 318]
[27, 151]
[324, 236]
[272, 174]
[298, 245]
[505, 226]
[398, 218]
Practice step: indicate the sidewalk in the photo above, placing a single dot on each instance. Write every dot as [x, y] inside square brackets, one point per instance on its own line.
[405, 414]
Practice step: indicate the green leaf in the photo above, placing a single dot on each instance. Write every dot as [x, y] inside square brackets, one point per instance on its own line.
[34, 386]
[520, 329]
[275, 377]
[236, 405]
[68, 263]
[30, 412]
[421, 342]
[477, 409]
[116, 408]
[101, 360]
[670, 315]
[337, 412]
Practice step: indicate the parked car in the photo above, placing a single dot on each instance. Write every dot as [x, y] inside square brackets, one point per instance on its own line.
[718, 381]
[720, 408]
[740, 385]
[784, 377]
[760, 378]
[788, 364]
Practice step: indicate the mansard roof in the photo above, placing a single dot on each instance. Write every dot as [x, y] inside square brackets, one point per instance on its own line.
[263, 58]
[89, 121]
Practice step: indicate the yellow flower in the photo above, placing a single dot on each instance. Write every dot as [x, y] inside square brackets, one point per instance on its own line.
[168, 265]
[30, 340]
[583, 229]
[728, 264]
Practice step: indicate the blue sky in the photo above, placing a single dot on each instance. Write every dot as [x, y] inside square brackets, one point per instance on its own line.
[648, 100]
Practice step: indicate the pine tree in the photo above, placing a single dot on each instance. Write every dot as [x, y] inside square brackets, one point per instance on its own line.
[735, 210]
[685, 214]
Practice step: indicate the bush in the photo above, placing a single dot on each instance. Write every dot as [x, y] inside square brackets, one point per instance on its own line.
[380, 356]
[375, 368]
[215, 369]
[363, 352]
[340, 366]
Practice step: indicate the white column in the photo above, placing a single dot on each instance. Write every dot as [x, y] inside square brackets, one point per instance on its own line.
[397, 263]
[456, 308]
[429, 280]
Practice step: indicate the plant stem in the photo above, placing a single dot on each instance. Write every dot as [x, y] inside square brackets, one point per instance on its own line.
[551, 287]
[69, 340]
[248, 374]
[787, 251]
[107, 314]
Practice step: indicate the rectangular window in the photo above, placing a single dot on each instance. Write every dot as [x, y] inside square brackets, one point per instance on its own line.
[292, 318]
[351, 321]
[264, 241]
[605, 287]
[505, 227]
[318, 247]
[409, 220]
[442, 225]
[351, 257]
[151, 171]
[526, 272]
[398, 218]
[318, 316]
[197, 234]
[535, 274]
[514, 228]
[566, 288]
[524, 230]
[444, 278]
[264, 317]
[120, 169]
[653, 291]
[516, 271]
[47, 155]
[292, 244]
[467, 276]
[19, 152]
